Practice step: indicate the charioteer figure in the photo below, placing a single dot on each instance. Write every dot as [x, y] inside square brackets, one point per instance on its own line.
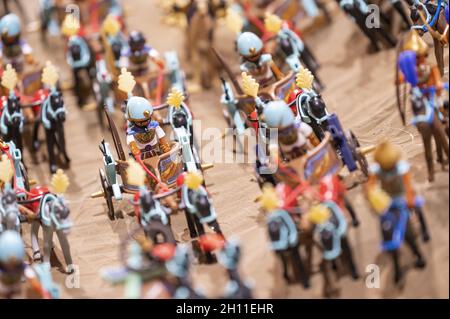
[255, 62]
[138, 54]
[13, 49]
[391, 193]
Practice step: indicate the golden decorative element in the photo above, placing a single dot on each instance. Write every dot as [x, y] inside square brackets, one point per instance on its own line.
[60, 182]
[319, 214]
[175, 98]
[304, 79]
[9, 78]
[50, 75]
[6, 169]
[126, 81]
[269, 199]
[273, 23]
[249, 85]
[234, 21]
[415, 43]
[135, 173]
[378, 199]
[70, 25]
[387, 155]
[193, 180]
[110, 26]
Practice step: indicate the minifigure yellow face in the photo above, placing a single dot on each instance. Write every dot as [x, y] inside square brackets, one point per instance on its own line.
[288, 135]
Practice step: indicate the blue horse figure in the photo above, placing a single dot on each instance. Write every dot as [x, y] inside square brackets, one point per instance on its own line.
[396, 228]
[12, 120]
[53, 116]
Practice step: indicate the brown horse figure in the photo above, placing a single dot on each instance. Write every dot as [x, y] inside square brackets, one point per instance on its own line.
[436, 24]
[427, 122]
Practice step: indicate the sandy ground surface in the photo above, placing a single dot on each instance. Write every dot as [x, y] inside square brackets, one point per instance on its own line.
[359, 87]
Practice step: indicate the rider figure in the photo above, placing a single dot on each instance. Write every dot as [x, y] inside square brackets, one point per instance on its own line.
[294, 136]
[13, 49]
[144, 136]
[254, 62]
[135, 57]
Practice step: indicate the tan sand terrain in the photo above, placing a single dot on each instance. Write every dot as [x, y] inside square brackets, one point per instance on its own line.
[359, 88]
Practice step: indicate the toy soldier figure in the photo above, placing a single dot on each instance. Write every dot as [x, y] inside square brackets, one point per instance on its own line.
[135, 57]
[254, 62]
[13, 49]
[295, 137]
[145, 137]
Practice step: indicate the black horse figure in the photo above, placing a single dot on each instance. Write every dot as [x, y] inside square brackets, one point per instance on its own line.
[53, 116]
[199, 211]
[284, 240]
[229, 257]
[11, 121]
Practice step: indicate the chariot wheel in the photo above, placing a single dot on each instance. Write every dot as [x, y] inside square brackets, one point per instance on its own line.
[360, 158]
[107, 193]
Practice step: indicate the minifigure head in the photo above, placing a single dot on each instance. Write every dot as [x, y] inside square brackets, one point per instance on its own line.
[139, 111]
[277, 114]
[387, 155]
[12, 250]
[136, 41]
[250, 46]
[10, 28]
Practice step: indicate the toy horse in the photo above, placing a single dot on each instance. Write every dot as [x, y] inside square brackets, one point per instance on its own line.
[229, 257]
[198, 208]
[52, 214]
[52, 117]
[12, 119]
[435, 21]
[331, 227]
[9, 211]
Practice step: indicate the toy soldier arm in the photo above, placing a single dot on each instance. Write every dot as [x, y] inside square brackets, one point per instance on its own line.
[276, 71]
[134, 148]
[436, 79]
[409, 190]
[313, 139]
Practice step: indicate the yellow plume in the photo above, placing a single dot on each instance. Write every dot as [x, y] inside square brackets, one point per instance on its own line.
[9, 78]
[273, 23]
[319, 214]
[6, 169]
[110, 26]
[175, 98]
[304, 79]
[378, 199]
[60, 182]
[234, 21]
[135, 173]
[249, 85]
[269, 199]
[70, 25]
[193, 180]
[126, 81]
[50, 74]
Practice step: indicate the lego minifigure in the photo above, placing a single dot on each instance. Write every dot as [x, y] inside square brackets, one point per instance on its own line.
[136, 56]
[13, 49]
[13, 269]
[254, 61]
[391, 194]
[145, 138]
[426, 98]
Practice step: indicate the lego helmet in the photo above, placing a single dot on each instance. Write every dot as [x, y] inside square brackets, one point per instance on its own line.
[249, 44]
[136, 40]
[11, 247]
[139, 109]
[387, 155]
[277, 114]
[10, 27]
